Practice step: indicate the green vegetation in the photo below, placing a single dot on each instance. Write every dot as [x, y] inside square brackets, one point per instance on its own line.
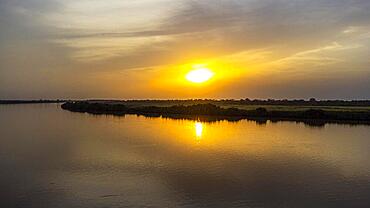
[164, 109]
[247, 104]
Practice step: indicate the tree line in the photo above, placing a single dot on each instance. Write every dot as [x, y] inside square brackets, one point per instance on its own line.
[213, 110]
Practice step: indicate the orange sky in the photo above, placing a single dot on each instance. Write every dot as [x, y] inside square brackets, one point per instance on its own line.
[145, 48]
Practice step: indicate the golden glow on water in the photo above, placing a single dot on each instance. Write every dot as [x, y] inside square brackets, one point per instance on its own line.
[198, 130]
[176, 157]
[246, 138]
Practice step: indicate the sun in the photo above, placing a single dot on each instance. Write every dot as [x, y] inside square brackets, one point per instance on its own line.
[199, 75]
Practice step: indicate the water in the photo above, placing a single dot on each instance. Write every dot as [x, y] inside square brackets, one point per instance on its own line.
[55, 158]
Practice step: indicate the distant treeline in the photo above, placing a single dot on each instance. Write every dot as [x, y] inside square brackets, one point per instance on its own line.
[30, 101]
[310, 102]
[247, 101]
[213, 110]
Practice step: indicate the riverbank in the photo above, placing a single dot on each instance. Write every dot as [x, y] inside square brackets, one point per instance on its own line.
[198, 111]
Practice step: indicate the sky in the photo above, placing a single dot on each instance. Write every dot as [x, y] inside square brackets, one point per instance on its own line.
[143, 49]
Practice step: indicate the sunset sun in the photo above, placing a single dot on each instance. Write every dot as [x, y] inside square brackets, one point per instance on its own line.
[199, 75]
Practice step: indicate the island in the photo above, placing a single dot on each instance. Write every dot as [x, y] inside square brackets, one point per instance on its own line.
[310, 112]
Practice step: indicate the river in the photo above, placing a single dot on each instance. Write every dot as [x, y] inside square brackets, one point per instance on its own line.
[55, 158]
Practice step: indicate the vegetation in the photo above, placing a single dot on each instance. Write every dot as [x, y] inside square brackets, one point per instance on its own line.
[247, 101]
[209, 109]
[247, 104]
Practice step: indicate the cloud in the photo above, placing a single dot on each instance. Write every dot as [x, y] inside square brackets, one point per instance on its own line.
[226, 27]
[91, 36]
[321, 56]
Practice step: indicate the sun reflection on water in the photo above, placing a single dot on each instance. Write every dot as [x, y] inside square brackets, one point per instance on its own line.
[198, 130]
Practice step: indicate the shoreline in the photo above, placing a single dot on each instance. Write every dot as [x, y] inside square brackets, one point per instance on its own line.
[211, 112]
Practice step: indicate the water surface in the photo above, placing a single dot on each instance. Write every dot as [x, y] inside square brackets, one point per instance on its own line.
[55, 158]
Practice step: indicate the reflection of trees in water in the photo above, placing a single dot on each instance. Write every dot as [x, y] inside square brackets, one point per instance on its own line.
[259, 121]
[315, 123]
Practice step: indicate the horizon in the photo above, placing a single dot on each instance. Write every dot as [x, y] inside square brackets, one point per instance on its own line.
[185, 103]
[185, 99]
[188, 50]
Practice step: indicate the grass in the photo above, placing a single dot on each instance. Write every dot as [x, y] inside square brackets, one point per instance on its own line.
[169, 103]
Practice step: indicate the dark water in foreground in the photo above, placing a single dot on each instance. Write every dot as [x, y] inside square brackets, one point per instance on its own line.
[55, 158]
